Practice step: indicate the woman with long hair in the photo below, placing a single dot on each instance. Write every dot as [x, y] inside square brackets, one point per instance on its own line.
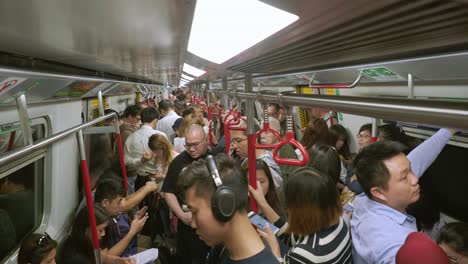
[265, 194]
[316, 132]
[37, 249]
[317, 230]
[163, 154]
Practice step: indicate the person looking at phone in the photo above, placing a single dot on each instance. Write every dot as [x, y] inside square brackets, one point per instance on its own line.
[120, 237]
[136, 151]
[319, 234]
[241, 242]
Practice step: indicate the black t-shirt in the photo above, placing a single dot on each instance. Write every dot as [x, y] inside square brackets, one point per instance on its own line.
[178, 163]
[263, 257]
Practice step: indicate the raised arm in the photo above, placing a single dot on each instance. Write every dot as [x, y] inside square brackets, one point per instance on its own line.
[424, 154]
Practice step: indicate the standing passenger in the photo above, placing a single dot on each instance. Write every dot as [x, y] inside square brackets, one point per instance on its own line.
[191, 248]
[166, 109]
[233, 230]
[380, 223]
[136, 149]
[318, 232]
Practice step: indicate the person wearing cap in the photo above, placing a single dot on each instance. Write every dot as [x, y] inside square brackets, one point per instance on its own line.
[420, 249]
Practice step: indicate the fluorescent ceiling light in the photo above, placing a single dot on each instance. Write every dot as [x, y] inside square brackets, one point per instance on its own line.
[222, 29]
[187, 77]
[192, 70]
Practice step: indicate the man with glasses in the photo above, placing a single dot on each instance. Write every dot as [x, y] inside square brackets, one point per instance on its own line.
[190, 247]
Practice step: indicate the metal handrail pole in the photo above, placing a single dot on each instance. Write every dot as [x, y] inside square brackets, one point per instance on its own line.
[89, 197]
[442, 113]
[23, 151]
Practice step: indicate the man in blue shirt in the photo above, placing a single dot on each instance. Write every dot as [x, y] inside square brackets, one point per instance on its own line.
[380, 224]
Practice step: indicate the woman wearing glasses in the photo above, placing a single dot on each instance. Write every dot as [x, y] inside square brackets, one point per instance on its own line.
[37, 249]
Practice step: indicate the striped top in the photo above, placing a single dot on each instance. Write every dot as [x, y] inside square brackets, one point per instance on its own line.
[332, 245]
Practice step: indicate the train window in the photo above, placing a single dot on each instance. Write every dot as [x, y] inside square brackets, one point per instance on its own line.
[445, 181]
[21, 203]
[21, 187]
[11, 136]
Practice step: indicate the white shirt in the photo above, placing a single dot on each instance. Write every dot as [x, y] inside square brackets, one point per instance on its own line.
[165, 124]
[136, 145]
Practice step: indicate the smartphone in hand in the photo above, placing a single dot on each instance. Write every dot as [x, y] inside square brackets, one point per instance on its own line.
[261, 223]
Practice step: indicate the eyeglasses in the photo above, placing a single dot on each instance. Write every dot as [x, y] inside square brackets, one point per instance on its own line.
[362, 136]
[195, 144]
[237, 140]
[44, 240]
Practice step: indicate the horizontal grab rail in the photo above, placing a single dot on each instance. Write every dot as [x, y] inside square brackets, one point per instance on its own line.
[422, 111]
[23, 151]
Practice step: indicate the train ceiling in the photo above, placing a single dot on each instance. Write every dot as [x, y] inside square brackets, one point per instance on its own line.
[146, 41]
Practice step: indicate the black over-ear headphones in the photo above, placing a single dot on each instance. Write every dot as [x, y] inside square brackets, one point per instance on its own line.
[224, 200]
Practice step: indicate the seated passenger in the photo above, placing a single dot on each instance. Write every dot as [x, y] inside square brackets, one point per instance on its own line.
[78, 247]
[453, 239]
[121, 233]
[420, 249]
[318, 232]
[235, 232]
[37, 249]
[380, 223]
[7, 234]
[17, 199]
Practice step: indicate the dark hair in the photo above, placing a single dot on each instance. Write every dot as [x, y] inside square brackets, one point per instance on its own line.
[149, 114]
[271, 196]
[188, 111]
[364, 127]
[312, 200]
[132, 110]
[23, 176]
[369, 164]
[109, 111]
[337, 131]
[109, 189]
[180, 107]
[165, 105]
[181, 97]
[274, 105]
[395, 133]
[197, 176]
[35, 248]
[316, 132]
[78, 237]
[455, 235]
[326, 160]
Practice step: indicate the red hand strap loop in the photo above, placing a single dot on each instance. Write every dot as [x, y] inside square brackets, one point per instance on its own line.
[266, 128]
[290, 140]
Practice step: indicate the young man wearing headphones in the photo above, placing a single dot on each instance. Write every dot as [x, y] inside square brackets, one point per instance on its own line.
[216, 192]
